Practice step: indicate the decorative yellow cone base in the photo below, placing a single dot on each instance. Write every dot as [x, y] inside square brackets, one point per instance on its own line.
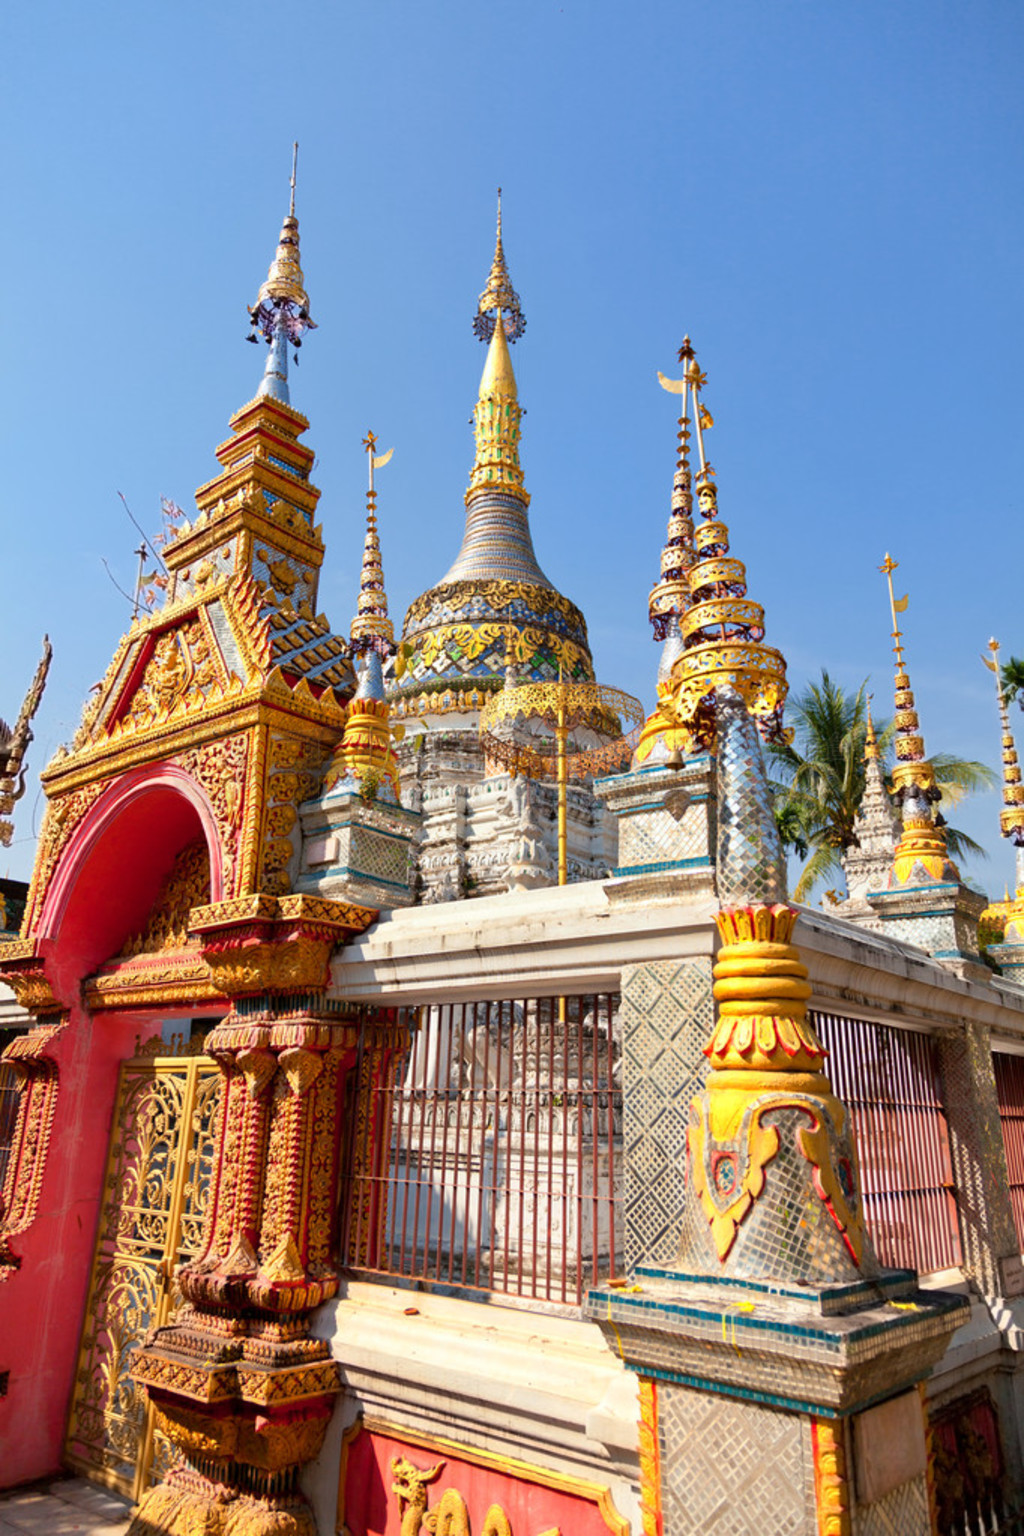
[187, 1504]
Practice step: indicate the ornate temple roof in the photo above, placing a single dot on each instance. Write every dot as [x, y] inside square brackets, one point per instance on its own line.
[494, 602]
[238, 616]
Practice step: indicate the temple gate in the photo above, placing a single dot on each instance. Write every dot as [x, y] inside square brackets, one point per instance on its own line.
[154, 1202]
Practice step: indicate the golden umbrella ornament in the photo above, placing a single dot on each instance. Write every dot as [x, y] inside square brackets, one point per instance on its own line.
[542, 730]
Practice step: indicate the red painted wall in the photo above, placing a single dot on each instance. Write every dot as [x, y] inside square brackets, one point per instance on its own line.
[41, 1305]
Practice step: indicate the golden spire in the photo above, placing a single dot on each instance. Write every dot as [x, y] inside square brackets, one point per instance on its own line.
[371, 628]
[1011, 817]
[922, 844]
[496, 418]
[498, 377]
[499, 297]
[670, 596]
[870, 743]
[723, 631]
[281, 312]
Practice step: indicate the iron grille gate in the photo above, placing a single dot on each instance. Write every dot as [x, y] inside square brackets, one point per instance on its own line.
[889, 1080]
[490, 1156]
[151, 1219]
[1009, 1071]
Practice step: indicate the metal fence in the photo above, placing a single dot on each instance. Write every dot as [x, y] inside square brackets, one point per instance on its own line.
[1009, 1071]
[489, 1155]
[889, 1079]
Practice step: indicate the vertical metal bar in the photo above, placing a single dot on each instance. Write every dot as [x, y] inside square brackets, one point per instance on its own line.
[463, 1155]
[614, 1151]
[406, 1142]
[508, 1026]
[485, 1117]
[541, 1095]
[593, 1125]
[522, 1156]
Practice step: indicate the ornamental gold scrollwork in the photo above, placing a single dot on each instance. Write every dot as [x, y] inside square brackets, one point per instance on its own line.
[831, 1480]
[650, 1458]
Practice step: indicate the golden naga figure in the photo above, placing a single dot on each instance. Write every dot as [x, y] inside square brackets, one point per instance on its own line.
[449, 1517]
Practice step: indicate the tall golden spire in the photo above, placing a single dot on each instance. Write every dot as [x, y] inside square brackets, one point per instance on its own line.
[1011, 817]
[499, 297]
[371, 628]
[870, 742]
[281, 312]
[670, 595]
[921, 850]
[723, 631]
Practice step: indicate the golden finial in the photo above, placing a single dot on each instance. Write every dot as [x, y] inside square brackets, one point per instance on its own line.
[670, 596]
[281, 312]
[723, 631]
[499, 300]
[922, 845]
[1011, 817]
[285, 283]
[371, 629]
[870, 744]
[912, 767]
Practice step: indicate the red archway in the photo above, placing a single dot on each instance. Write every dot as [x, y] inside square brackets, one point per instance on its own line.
[103, 889]
[112, 868]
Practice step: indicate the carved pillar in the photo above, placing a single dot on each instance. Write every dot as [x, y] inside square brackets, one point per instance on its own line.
[988, 1237]
[32, 1058]
[236, 1381]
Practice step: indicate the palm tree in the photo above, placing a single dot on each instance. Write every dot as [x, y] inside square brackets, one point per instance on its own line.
[820, 780]
[1013, 680]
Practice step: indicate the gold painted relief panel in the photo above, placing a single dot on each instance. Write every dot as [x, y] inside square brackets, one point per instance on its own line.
[151, 1219]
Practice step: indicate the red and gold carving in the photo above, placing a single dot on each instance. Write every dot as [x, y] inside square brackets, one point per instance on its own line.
[63, 813]
[831, 1482]
[268, 944]
[31, 1057]
[220, 767]
[397, 1482]
[187, 886]
[650, 1458]
[25, 973]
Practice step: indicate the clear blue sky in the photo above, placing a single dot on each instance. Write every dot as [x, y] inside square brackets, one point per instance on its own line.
[826, 196]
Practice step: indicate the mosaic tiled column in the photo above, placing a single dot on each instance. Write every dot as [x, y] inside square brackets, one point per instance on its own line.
[778, 1362]
[988, 1237]
[236, 1382]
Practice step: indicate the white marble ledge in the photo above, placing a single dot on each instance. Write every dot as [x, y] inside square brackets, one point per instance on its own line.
[534, 1362]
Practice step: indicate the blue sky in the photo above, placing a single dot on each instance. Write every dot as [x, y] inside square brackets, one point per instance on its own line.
[826, 197]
